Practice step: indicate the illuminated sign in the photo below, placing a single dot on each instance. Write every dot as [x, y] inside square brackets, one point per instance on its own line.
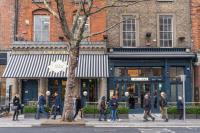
[140, 79]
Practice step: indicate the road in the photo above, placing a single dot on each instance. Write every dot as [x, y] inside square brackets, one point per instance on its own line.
[78, 129]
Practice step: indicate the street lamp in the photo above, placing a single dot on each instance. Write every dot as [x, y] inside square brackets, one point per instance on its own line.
[127, 94]
[85, 95]
[183, 80]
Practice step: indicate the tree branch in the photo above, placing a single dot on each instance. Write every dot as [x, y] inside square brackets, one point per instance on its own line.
[101, 32]
[63, 21]
[114, 4]
[50, 9]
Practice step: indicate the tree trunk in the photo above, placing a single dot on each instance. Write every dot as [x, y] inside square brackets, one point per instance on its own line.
[68, 101]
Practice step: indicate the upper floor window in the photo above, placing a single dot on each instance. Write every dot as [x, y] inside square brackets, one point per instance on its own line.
[129, 31]
[86, 29]
[166, 30]
[41, 27]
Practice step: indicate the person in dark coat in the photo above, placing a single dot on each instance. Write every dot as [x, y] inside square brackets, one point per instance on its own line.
[16, 107]
[180, 107]
[78, 106]
[155, 98]
[142, 99]
[40, 106]
[57, 105]
[113, 106]
[147, 108]
[102, 108]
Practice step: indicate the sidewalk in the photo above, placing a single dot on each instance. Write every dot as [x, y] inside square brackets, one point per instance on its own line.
[131, 122]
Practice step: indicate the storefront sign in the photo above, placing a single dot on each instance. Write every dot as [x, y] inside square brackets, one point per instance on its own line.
[139, 79]
[58, 66]
[133, 72]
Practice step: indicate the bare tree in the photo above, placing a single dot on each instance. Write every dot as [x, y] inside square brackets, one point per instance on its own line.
[75, 34]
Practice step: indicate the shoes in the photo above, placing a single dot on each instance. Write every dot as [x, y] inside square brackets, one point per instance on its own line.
[153, 119]
[145, 120]
[166, 120]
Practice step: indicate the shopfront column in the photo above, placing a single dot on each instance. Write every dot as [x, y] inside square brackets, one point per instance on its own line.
[42, 86]
[15, 87]
[103, 87]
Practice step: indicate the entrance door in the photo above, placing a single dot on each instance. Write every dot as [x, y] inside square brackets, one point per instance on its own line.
[29, 90]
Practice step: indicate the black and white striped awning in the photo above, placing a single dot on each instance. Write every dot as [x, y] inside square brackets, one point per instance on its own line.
[37, 66]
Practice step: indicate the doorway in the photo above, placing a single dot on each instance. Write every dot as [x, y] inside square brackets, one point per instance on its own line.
[29, 91]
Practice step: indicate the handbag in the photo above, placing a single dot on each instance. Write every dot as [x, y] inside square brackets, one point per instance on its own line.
[14, 108]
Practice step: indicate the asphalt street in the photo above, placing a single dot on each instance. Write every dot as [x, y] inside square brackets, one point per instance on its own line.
[78, 129]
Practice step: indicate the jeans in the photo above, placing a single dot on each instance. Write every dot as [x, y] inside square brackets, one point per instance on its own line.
[113, 114]
[41, 109]
[102, 112]
[16, 113]
[180, 111]
[56, 110]
[148, 113]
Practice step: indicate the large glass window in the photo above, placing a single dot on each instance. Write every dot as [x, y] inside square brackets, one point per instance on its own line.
[174, 72]
[129, 31]
[41, 28]
[166, 30]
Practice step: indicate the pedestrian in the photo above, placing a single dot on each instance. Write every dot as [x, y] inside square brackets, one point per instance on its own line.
[40, 106]
[147, 108]
[78, 106]
[57, 105]
[16, 107]
[155, 99]
[113, 107]
[163, 106]
[102, 108]
[180, 107]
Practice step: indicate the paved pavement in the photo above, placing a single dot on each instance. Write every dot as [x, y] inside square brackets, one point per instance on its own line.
[133, 121]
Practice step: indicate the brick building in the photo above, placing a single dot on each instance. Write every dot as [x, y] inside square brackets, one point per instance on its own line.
[195, 19]
[40, 45]
[6, 37]
[150, 48]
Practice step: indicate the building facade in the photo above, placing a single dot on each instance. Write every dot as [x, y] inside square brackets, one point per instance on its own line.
[195, 19]
[7, 14]
[150, 48]
[39, 50]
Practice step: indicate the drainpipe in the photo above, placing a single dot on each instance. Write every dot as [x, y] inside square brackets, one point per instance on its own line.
[16, 19]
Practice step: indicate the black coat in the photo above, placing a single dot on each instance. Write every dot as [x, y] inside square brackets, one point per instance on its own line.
[179, 104]
[16, 102]
[147, 104]
[78, 104]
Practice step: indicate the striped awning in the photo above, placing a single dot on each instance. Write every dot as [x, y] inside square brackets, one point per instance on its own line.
[37, 66]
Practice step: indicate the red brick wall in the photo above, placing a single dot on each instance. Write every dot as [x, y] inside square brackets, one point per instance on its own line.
[26, 9]
[195, 16]
[6, 23]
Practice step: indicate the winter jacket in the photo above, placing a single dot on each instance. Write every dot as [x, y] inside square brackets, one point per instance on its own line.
[113, 103]
[78, 104]
[179, 104]
[163, 102]
[16, 102]
[147, 104]
[57, 101]
[103, 105]
[41, 101]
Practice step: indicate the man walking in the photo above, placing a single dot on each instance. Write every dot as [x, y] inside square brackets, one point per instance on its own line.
[147, 108]
[163, 106]
[57, 105]
[40, 106]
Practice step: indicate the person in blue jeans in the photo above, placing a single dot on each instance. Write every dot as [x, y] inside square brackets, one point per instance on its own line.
[113, 107]
[40, 106]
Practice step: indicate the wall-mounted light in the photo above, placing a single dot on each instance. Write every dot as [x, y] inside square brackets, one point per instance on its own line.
[27, 22]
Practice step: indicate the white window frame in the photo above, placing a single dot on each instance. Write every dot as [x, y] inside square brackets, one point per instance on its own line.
[173, 31]
[135, 16]
[87, 24]
[34, 17]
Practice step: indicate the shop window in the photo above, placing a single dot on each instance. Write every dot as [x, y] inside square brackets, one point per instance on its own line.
[41, 28]
[174, 72]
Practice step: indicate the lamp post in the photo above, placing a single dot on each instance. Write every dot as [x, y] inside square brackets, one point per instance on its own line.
[48, 93]
[85, 95]
[183, 81]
